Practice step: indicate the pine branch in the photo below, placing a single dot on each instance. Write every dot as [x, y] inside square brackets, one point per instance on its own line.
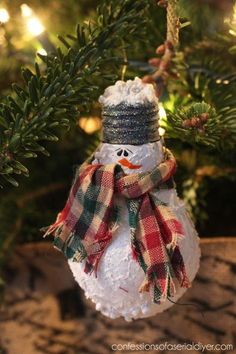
[53, 99]
[205, 72]
[197, 124]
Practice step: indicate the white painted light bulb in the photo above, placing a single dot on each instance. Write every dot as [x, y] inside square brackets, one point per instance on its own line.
[115, 290]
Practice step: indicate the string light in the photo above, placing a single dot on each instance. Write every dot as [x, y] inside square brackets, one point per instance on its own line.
[34, 25]
[161, 131]
[162, 112]
[4, 15]
[26, 11]
[231, 21]
[42, 51]
[162, 117]
[234, 15]
[232, 32]
[90, 124]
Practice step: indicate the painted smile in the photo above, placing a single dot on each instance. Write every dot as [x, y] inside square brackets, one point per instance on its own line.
[126, 163]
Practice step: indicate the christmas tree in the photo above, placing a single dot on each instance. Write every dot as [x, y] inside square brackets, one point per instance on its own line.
[50, 106]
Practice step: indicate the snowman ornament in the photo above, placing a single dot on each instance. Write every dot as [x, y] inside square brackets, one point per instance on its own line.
[134, 271]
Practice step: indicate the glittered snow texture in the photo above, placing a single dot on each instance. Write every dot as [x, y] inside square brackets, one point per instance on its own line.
[132, 92]
[115, 290]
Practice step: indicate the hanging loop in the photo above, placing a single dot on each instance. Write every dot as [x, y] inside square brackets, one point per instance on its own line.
[173, 23]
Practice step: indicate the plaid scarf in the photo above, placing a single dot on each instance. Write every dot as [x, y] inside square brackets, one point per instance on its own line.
[85, 226]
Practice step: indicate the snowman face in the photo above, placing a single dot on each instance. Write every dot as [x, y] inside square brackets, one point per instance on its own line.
[132, 158]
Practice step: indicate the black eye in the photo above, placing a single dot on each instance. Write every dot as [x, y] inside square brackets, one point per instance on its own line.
[126, 153]
[119, 153]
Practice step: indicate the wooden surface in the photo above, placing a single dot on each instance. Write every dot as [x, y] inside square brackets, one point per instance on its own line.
[45, 312]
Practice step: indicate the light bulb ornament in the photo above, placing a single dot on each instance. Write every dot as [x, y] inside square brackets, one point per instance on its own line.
[127, 237]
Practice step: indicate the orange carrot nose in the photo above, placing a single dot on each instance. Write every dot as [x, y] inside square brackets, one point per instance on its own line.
[126, 163]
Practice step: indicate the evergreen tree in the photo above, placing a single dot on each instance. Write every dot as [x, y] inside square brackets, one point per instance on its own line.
[58, 89]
